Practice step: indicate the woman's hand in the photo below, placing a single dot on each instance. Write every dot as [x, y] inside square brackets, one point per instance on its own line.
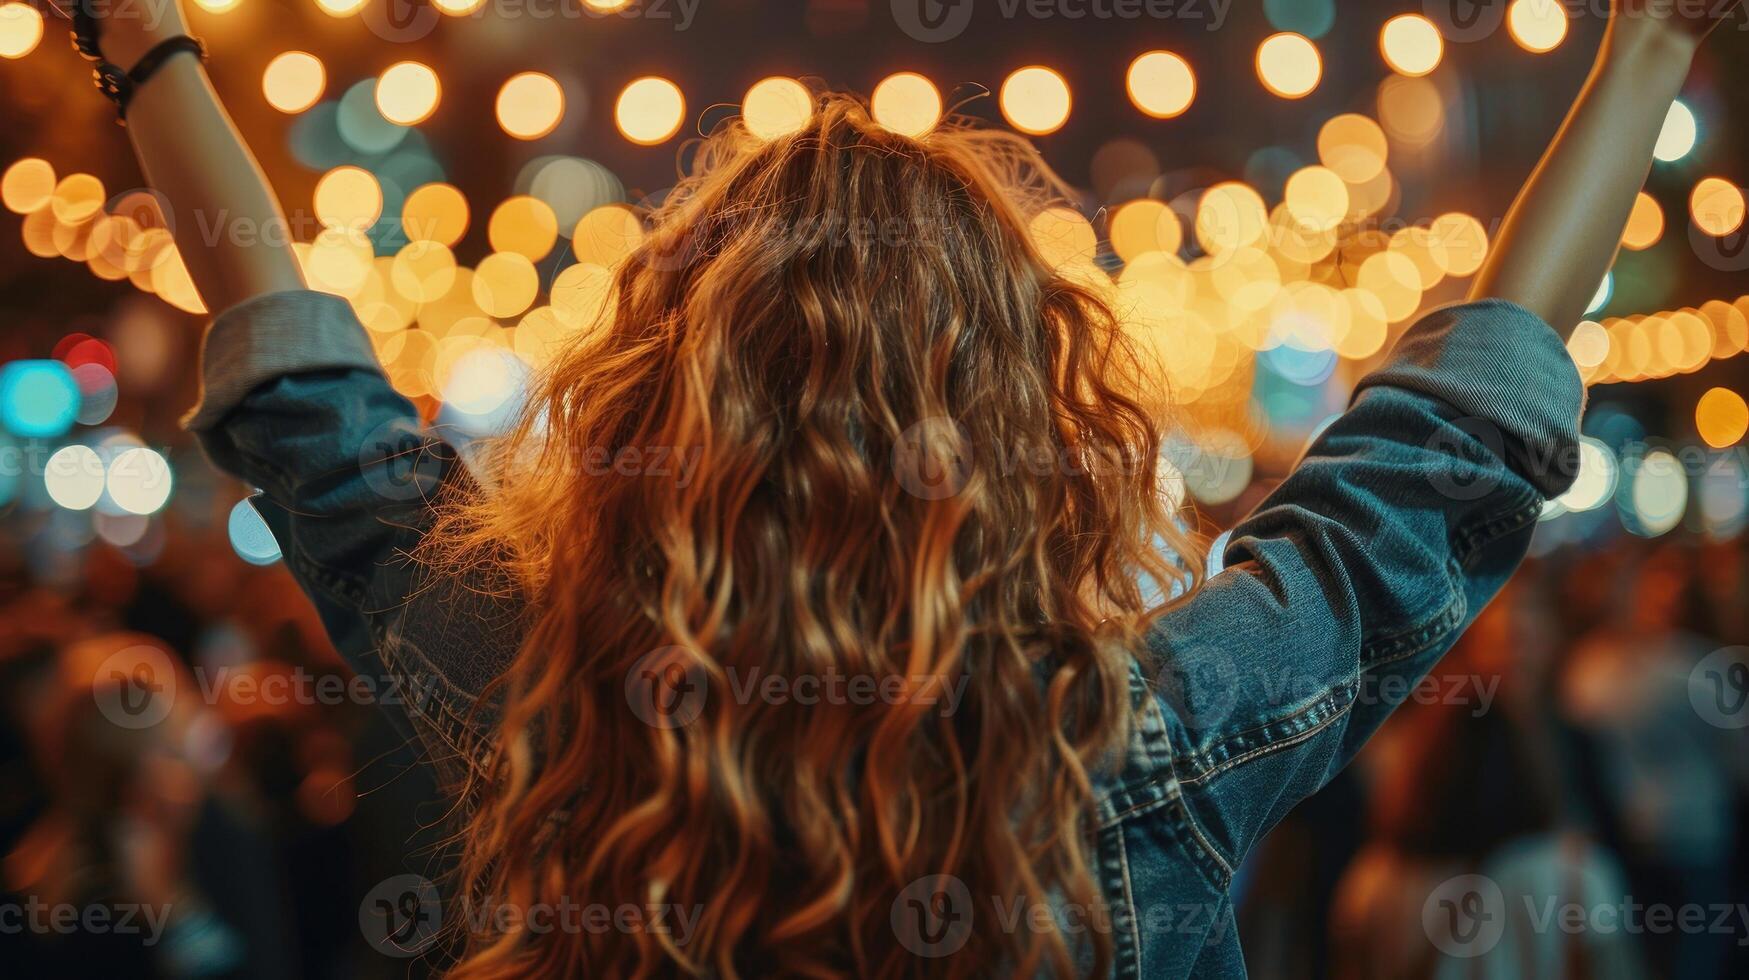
[127, 29]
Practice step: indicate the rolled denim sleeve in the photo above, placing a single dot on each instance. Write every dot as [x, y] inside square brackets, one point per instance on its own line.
[1335, 597]
[293, 402]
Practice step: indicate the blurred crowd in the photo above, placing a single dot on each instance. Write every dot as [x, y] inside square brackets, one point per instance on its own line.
[1564, 797]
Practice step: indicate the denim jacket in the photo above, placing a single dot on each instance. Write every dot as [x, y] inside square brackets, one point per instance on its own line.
[1404, 517]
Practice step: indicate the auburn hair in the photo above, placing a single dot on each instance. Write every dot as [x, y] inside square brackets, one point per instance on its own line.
[903, 448]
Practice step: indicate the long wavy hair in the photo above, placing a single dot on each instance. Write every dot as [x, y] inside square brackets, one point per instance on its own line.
[840, 418]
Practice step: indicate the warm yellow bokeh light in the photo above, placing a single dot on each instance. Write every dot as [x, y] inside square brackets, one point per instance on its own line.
[340, 8]
[422, 271]
[1537, 25]
[217, 6]
[1717, 206]
[27, 185]
[606, 6]
[1143, 226]
[1645, 224]
[1458, 243]
[1035, 100]
[21, 27]
[524, 225]
[1063, 237]
[1161, 84]
[294, 81]
[458, 8]
[1411, 44]
[77, 198]
[775, 107]
[1393, 278]
[606, 235]
[348, 197]
[530, 105]
[436, 213]
[1317, 198]
[1289, 65]
[505, 284]
[1354, 147]
[1230, 216]
[1721, 417]
[906, 103]
[407, 93]
[649, 110]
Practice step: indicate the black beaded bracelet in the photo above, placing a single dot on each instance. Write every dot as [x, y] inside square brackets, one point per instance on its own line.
[117, 84]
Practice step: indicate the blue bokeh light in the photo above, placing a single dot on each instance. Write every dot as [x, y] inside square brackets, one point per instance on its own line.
[38, 399]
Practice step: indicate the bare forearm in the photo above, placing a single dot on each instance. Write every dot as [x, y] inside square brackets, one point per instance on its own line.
[227, 222]
[1562, 232]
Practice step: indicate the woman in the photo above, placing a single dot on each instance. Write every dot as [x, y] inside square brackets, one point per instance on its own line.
[1027, 766]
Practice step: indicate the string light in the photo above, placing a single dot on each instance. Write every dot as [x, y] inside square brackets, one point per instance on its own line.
[1537, 25]
[1717, 206]
[1645, 224]
[407, 93]
[1161, 84]
[1289, 65]
[436, 213]
[1411, 44]
[1035, 100]
[293, 81]
[906, 103]
[530, 105]
[1678, 135]
[649, 110]
[21, 28]
[776, 107]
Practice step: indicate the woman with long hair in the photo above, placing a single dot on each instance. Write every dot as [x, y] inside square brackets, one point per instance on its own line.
[822, 616]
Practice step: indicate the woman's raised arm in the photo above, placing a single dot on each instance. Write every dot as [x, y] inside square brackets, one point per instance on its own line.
[1562, 232]
[227, 223]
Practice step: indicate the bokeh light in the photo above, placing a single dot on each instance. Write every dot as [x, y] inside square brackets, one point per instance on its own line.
[27, 185]
[74, 477]
[21, 27]
[1161, 84]
[906, 103]
[38, 398]
[348, 197]
[435, 212]
[407, 93]
[1537, 25]
[776, 107]
[524, 225]
[250, 536]
[1716, 205]
[1721, 417]
[1411, 44]
[1035, 100]
[1676, 139]
[340, 8]
[1645, 224]
[138, 480]
[649, 110]
[530, 105]
[293, 81]
[1289, 65]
